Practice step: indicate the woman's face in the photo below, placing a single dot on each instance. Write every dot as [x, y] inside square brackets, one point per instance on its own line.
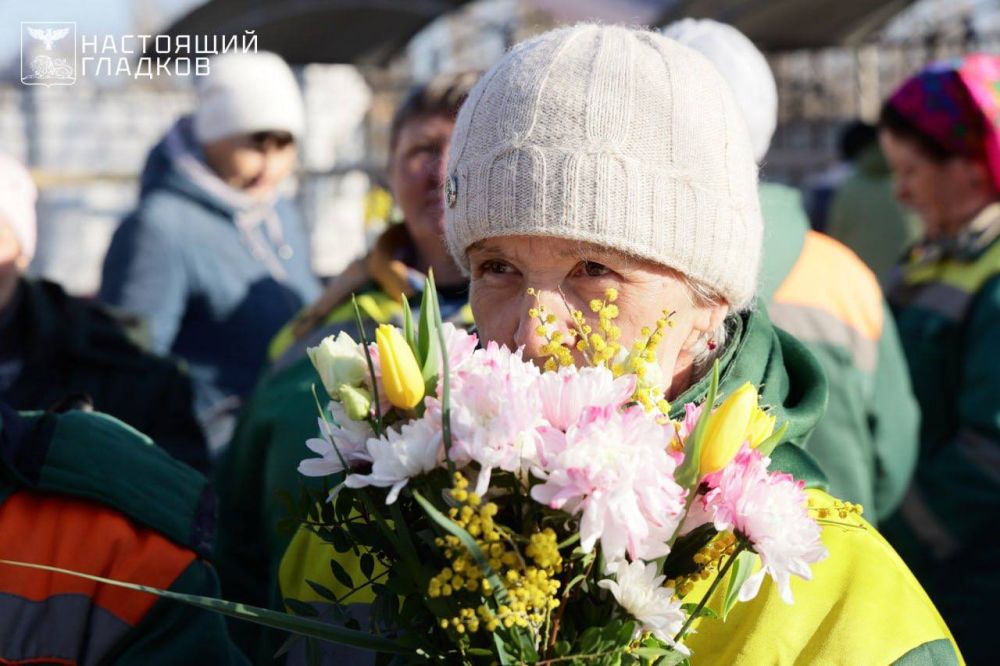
[503, 269]
[946, 195]
[255, 163]
[416, 175]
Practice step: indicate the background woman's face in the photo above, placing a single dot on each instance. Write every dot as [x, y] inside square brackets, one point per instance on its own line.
[416, 175]
[945, 195]
[256, 163]
[504, 268]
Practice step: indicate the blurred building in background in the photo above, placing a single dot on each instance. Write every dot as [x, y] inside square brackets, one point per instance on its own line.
[86, 143]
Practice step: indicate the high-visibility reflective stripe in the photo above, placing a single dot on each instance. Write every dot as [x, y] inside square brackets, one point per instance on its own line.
[829, 277]
[968, 276]
[814, 325]
[64, 628]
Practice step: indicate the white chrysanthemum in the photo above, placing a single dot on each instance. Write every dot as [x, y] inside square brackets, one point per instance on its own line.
[640, 592]
[399, 456]
[337, 445]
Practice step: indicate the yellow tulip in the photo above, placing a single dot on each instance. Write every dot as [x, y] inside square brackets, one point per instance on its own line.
[401, 377]
[738, 419]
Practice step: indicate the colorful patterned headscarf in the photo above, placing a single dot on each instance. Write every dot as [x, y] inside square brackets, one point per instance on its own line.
[957, 104]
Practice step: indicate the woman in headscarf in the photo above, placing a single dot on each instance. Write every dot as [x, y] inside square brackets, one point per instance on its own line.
[941, 133]
[597, 157]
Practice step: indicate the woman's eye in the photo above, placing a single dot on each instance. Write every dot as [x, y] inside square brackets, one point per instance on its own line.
[496, 268]
[594, 269]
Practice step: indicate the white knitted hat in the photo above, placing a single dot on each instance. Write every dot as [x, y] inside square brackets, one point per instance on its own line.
[17, 204]
[743, 66]
[612, 136]
[245, 93]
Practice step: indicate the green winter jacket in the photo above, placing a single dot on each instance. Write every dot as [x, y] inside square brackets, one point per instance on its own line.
[836, 615]
[865, 216]
[946, 299]
[819, 291]
[85, 492]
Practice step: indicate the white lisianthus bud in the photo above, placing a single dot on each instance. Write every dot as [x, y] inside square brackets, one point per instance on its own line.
[340, 362]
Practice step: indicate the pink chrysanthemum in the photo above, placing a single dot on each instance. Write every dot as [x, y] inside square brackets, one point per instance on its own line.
[613, 469]
[770, 511]
[495, 419]
[566, 393]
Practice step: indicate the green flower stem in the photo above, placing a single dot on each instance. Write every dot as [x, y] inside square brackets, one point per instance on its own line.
[711, 590]
[377, 424]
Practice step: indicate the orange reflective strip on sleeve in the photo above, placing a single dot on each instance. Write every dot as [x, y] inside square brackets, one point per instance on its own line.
[829, 277]
[90, 538]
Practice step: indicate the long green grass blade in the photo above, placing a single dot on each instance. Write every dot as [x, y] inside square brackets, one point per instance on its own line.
[262, 616]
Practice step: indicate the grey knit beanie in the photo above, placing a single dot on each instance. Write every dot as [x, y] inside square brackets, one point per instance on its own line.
[613, 136]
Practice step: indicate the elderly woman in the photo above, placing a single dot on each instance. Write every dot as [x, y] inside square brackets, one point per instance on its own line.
[599, 157]
[940, 132]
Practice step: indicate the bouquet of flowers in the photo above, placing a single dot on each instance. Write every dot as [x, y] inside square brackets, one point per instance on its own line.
[499, 512]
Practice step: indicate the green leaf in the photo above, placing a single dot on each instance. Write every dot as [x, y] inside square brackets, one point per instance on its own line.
[261, 616]
[652, 652]
[706, 610]
[431, 288]
[301, 608]
[623, 635]
[340, 573]
[424, 325]
[428, 347]
[367, 564]
[409, 334]
[589, 640]
[771, 443]
[740, 572]
[687, 473]
[322, 591]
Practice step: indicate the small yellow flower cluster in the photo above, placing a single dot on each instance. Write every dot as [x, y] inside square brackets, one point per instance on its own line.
[839, 509]
[604, 344]
[531, 588]
[559, 354]
[708, 559]
[476, 518]
[642, 356]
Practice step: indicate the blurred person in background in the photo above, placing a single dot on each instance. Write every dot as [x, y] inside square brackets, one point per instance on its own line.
[85, 492]
[818, 290]
[941, 133]
[261, 463]
[54, 346]
[214, 258]
[865, 215]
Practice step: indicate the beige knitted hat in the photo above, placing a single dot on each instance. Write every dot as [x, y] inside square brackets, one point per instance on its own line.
[613, 136]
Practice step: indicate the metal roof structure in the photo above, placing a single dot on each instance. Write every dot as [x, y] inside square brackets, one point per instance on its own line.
[317, 31]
